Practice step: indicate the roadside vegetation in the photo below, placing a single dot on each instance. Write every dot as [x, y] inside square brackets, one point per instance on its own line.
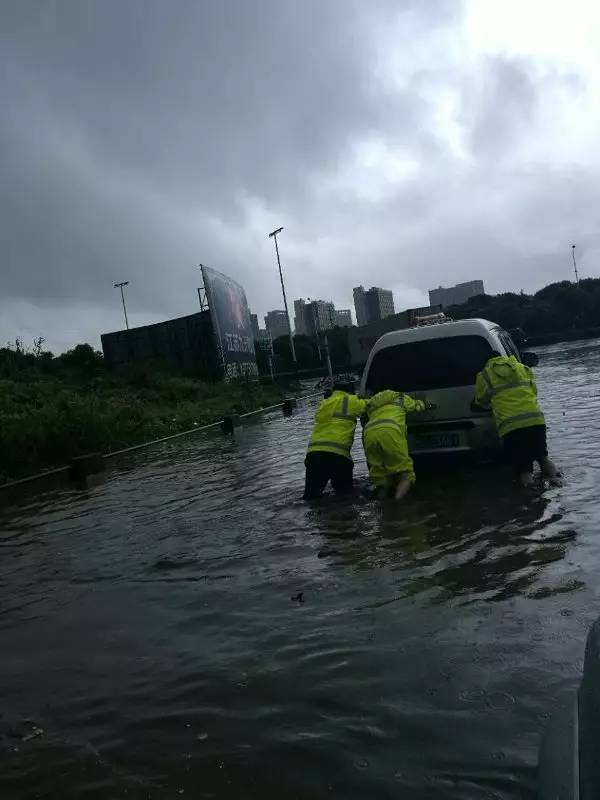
[54, 408]
[559, 311]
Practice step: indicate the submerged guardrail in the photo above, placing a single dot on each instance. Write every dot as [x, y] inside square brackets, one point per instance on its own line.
[81, 467]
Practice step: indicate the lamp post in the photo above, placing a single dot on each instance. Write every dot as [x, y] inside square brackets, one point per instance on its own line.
[575, 265]
[120, 286]
[273, 235]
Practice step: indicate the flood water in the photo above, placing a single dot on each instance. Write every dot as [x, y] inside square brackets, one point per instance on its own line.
[147, 625]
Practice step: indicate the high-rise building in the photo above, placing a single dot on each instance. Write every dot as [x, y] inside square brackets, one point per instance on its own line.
[373, 304]
[321, 316]
[455, 295]
[343, 318]
[300, 317]
[360, 305]
[254, 323]
[380, 303]
[276, 322]
[313, 316]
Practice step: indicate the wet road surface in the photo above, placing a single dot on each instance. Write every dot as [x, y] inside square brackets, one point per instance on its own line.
[147, 625]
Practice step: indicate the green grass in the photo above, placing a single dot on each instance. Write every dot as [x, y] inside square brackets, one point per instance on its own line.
[46, 419]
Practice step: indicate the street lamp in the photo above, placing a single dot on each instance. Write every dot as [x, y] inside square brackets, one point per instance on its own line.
[575, 265]
[120, 286]
[273, 234]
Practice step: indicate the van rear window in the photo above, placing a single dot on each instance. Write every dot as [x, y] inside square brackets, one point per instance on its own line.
[429, 364]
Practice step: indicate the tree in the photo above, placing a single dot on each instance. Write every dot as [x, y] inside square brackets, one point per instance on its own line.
[558, 307]
[83, 357]
[339, 349]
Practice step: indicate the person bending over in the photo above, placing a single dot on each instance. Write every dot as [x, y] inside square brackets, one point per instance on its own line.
[328, 457]
[509, 389]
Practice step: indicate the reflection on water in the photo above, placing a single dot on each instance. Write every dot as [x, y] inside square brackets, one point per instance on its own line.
[148, 625]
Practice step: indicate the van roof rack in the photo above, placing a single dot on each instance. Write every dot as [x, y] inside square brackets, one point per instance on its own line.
[432, 319]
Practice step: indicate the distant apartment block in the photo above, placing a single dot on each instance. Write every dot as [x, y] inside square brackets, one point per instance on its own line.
[343, 318]
[311, 317]
[360, 305]
[300, 317]
[455, 295]
[254, 323]
[276, 322]
[373, 304]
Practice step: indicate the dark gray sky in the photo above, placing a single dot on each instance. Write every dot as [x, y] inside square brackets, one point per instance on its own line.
[403, 144]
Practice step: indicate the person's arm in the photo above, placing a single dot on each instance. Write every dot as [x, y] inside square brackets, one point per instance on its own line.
[383, 398]
[356, 406]
[482, 397]
[532, 380]
[411, 404]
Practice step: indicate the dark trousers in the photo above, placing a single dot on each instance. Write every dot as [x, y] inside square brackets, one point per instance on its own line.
[524, 446]
[322, 467]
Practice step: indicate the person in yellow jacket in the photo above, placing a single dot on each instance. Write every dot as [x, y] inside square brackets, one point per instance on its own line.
[328, 457]
[509, 389]
[384, 439]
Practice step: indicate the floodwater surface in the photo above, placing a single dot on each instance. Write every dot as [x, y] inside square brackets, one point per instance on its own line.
[151, 648]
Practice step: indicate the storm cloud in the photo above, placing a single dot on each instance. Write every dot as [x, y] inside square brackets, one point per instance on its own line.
[403, 144]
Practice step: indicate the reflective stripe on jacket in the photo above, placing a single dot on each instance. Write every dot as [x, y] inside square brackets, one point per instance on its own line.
[335, 423]
[390, 408]
[508, 388]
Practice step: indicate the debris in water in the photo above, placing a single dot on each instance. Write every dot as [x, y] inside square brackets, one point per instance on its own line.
[35, 732]
[202, 737]
[299, 598]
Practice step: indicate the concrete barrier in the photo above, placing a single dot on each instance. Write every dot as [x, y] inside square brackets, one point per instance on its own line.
[288, 406]
[230, 423]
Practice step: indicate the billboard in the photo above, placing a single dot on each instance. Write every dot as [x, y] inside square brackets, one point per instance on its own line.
[232, 324]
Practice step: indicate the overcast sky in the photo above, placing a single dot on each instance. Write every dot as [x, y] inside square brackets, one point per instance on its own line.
[403, 144]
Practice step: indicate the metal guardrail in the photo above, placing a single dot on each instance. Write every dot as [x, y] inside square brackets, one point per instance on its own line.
[77, 466]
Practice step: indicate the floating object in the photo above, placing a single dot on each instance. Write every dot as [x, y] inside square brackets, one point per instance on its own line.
[35, 732]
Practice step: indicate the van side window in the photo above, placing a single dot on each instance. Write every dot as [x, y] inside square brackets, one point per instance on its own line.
[429, 364]
[509, 345]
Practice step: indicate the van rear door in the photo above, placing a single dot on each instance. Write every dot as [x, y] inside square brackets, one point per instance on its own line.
[442, 370]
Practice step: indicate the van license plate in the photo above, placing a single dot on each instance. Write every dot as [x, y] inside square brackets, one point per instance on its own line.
[437, 441]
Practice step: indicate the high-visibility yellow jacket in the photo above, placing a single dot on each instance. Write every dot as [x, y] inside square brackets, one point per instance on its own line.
[389, 407]
[335, 424]
[508, 388]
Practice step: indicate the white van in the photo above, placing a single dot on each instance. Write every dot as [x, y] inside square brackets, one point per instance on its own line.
[440, 363]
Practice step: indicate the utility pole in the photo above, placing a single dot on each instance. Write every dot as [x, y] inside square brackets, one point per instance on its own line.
[273, 235]
[120, 286]
[575, 265]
